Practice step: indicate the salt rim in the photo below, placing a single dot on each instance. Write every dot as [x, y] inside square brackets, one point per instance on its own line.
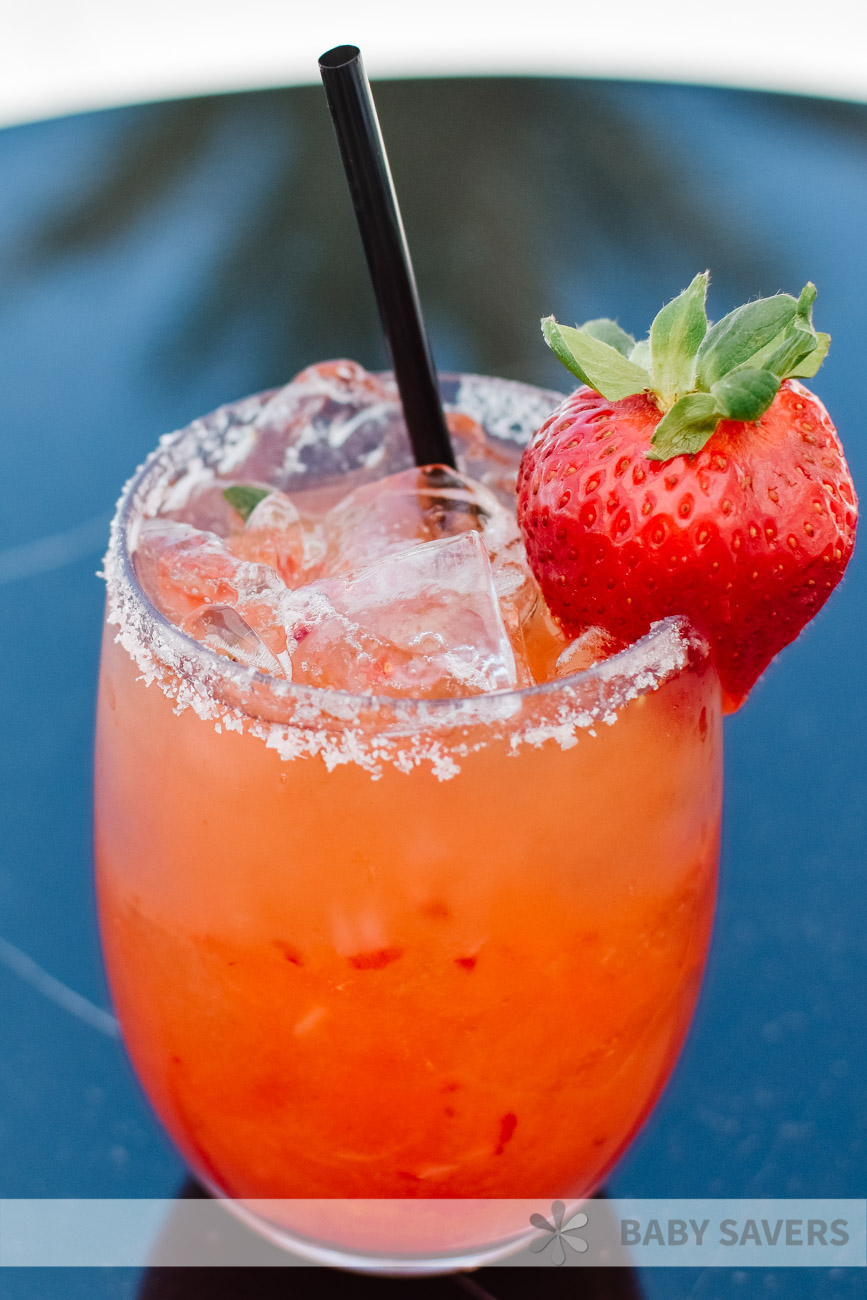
[298, 720]
[504, 408]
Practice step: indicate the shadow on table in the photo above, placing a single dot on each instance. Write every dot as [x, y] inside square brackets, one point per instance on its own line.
[253, 1266]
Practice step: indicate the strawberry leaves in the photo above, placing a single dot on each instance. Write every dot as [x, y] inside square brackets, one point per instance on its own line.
[685, 428]
[744, 395]
[594, 361]
[675, 338]
[608, 331]
[697, 374]
[802, 334]
[742, 336]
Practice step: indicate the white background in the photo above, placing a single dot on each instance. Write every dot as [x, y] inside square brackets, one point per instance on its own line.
[59, 56]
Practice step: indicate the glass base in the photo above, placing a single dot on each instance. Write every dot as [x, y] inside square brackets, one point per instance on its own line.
[361, 1262]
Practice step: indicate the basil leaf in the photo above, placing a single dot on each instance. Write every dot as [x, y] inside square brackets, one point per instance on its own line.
[739, 337]
[675, 337]
[746, 394]
[685, 428]
[595, 363]
[608, 331]
[244, 498]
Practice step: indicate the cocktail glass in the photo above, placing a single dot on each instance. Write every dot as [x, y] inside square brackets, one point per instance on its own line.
[372, 952]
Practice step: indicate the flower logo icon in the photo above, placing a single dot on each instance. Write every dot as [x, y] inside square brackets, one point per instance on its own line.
[556, 1233]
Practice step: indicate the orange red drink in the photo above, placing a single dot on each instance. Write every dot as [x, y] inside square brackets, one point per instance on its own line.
[436, 946]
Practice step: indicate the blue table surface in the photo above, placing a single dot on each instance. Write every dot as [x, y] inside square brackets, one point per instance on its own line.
[159, 260]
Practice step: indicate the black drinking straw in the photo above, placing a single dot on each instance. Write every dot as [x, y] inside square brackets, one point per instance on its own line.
[366, 165]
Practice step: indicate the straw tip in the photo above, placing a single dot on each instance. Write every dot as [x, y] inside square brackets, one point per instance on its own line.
[339, 57]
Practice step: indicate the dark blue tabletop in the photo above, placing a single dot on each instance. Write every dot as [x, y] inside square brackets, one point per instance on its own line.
[157, 261]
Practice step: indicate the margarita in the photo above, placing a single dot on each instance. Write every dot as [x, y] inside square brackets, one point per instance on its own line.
[403, 893]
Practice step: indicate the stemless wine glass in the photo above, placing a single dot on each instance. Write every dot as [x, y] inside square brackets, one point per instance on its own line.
[373, 951]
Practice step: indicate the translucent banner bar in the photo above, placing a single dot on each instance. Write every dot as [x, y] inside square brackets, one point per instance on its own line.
[392, 1235]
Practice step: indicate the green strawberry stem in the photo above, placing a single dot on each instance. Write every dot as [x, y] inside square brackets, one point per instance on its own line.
[698, 374]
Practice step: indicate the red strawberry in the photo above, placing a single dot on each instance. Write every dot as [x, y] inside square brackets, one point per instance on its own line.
[708, 482]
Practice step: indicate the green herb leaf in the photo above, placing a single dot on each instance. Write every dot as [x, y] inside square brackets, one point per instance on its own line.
[608, 331]
[740, 337]
[685, 428]
[745, 395]
[244, 498]
[675, 337]
[593, 362]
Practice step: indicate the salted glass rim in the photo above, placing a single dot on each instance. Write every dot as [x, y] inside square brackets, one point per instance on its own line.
[634, 660]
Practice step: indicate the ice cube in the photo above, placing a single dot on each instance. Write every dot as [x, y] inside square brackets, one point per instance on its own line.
[337, 422]
[515, 632]
[591, 647]
[223, 629]
[423, 505]
[550, 652]
[543, 641]
[493, 464]
[420, 622]
[183, 568]
[274, 535]
[203, 506]
[334, 419]
[403, 510]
